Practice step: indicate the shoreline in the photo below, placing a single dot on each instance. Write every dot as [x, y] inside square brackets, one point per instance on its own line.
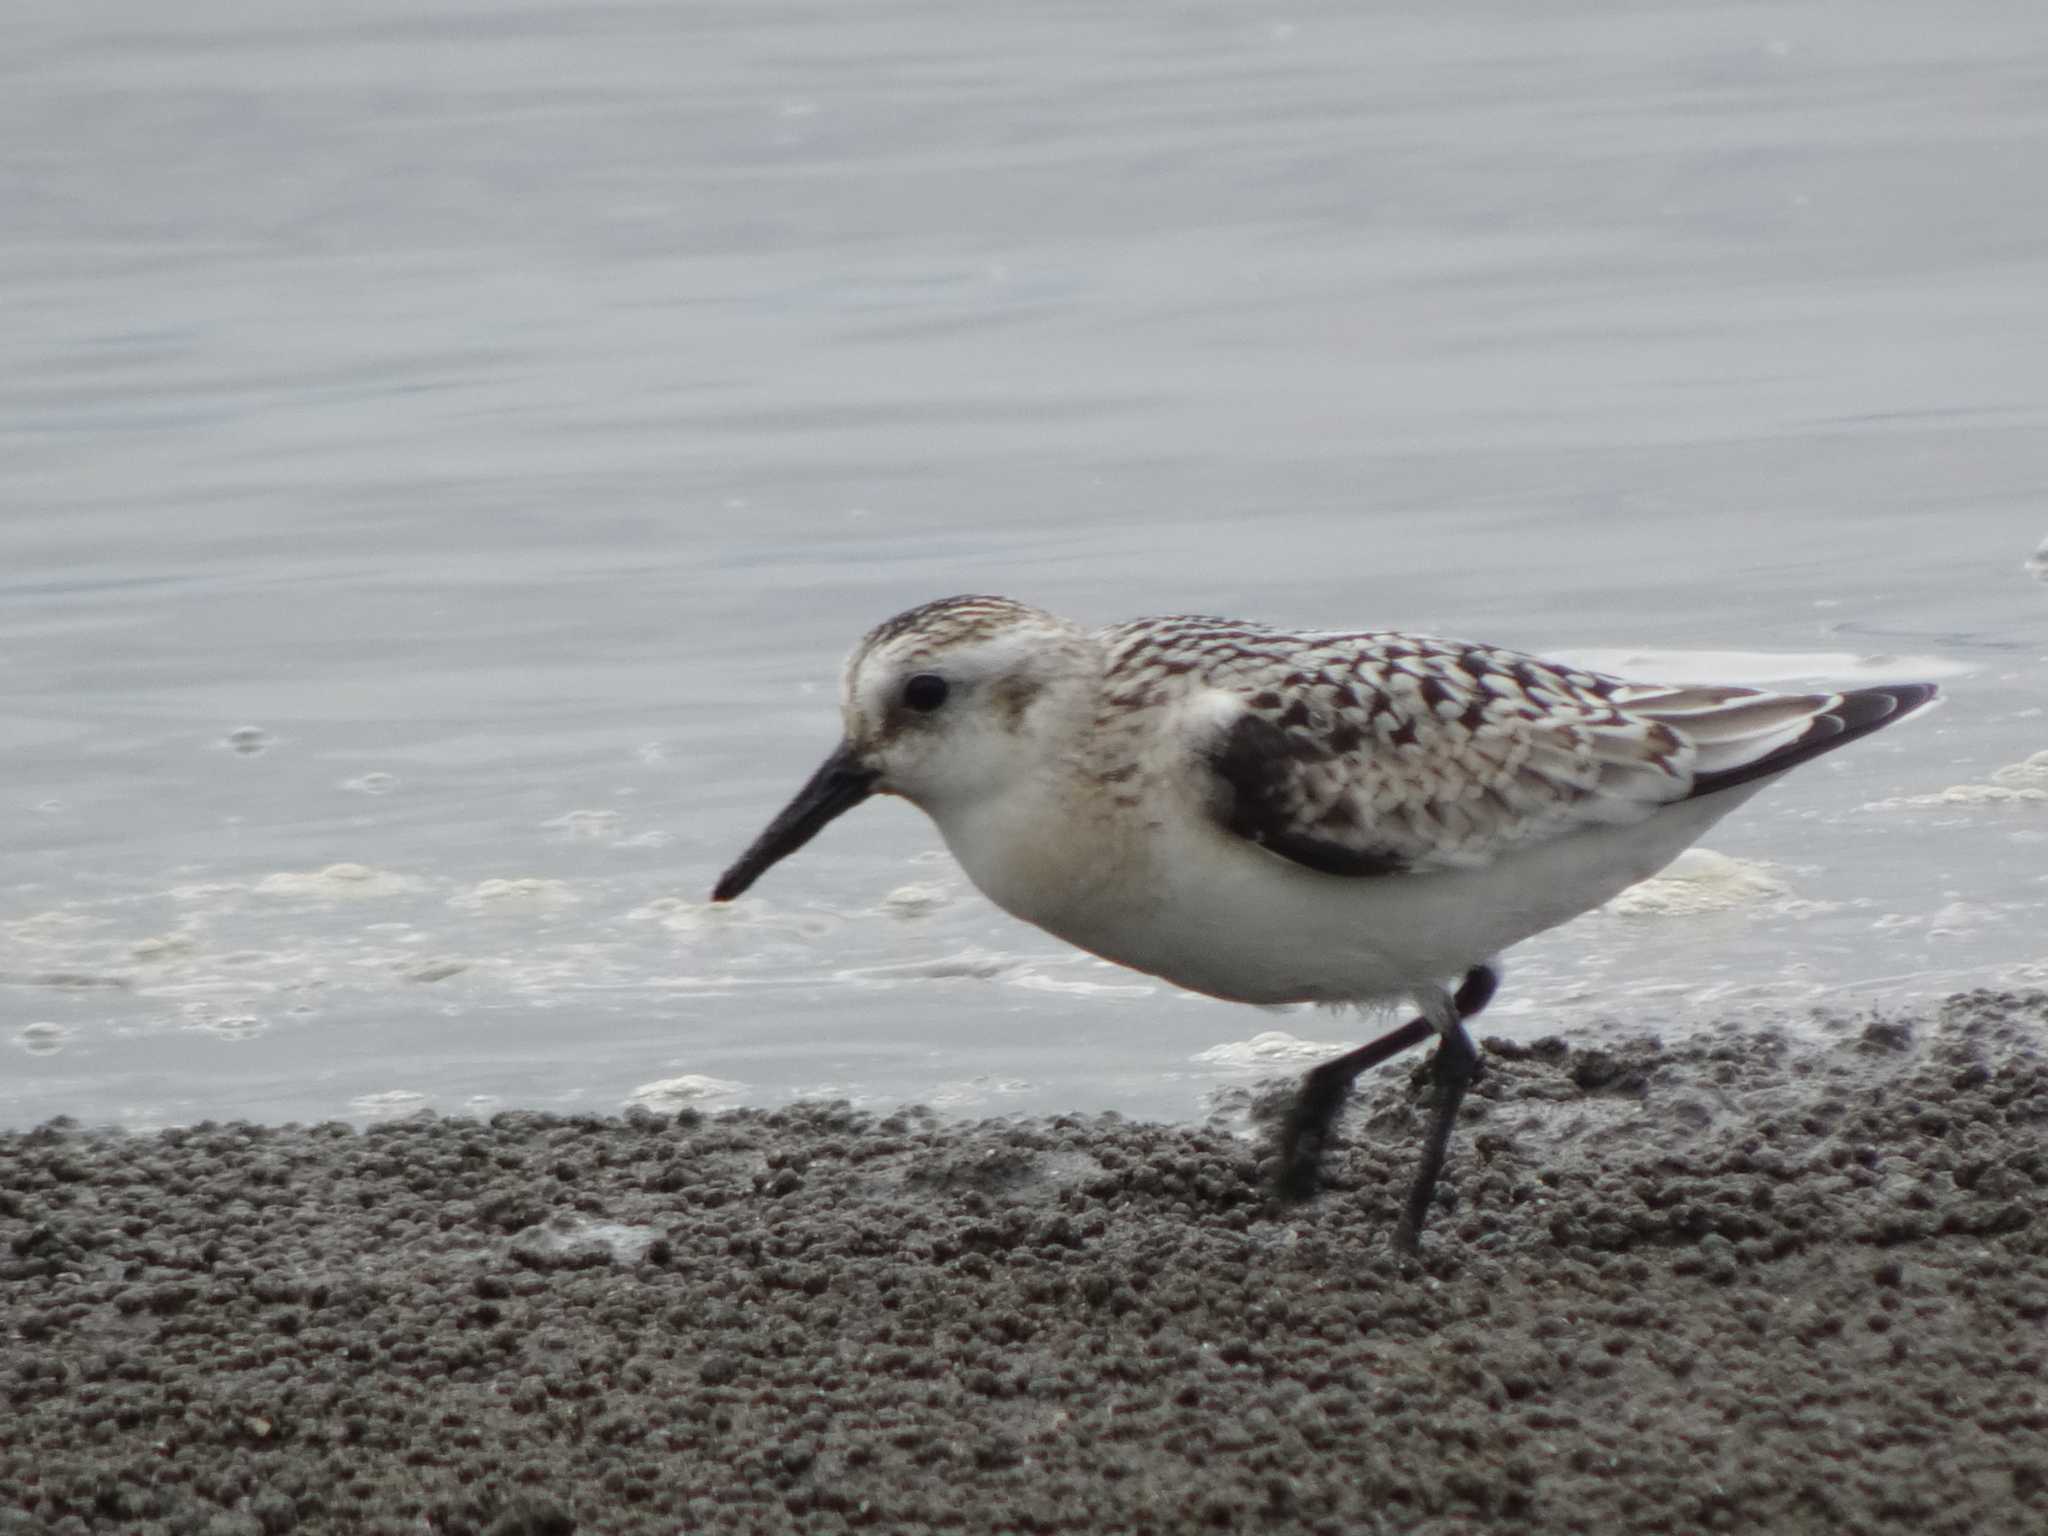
[1738, 1282]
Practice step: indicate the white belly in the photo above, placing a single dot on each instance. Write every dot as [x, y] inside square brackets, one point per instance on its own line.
[1188, 902]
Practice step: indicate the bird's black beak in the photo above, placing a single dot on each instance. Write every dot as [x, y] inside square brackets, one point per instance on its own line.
[841, 782]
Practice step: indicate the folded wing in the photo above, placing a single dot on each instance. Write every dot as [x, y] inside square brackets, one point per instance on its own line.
[1381, 754]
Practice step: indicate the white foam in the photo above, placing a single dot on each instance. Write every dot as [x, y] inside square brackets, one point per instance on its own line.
[669, 1094]
[968, 964]
[595, 826]
[56, 928]
[213, 892]
[1038, 981]
[2028, 771]
[2022, 783]
[916, 900]
[977, 1091]
[348, 882]
[1698, 880]
[654, 838]
[1962, 794]
[528, 893]
[392, 1101]
[1272, 1048]
[1957, 918]
[679, 915]
[827, 1093]
[232, 1025]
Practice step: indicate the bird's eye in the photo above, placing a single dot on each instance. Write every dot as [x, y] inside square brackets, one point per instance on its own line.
[925, 692]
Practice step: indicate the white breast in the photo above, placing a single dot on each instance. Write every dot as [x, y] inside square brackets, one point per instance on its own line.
[1170, 894]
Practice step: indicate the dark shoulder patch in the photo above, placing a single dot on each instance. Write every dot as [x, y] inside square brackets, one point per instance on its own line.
[1258, 770]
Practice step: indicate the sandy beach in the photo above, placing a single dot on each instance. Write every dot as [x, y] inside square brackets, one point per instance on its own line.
[1737, 1283]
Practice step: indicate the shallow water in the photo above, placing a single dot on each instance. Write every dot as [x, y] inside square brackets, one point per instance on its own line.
[444, 455]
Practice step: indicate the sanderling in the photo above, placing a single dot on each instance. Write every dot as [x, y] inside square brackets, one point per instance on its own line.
[1277, 817]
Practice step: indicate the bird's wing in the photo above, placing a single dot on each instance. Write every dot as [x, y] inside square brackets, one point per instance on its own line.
[1379, 753]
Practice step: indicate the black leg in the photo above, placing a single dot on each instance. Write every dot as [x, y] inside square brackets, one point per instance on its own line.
[1322, 1094]
[1476, 991]
[1323, 1091]
[1456, 1064]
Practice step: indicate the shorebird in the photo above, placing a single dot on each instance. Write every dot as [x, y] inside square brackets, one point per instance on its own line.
[1271, 816]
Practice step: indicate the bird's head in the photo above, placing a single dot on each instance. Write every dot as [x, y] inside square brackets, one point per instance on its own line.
[936, 705]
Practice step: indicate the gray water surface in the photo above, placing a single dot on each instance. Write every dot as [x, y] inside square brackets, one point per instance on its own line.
[445, 452]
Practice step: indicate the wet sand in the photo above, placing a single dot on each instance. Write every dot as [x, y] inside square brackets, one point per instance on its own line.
[1732, 1284]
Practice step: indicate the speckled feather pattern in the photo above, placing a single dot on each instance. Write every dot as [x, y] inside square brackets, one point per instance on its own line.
[1372, 751]
[1425, 753]
[933, 628]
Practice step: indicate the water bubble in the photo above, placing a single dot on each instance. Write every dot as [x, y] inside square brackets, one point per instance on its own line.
[42, 1038]
[437, 968]
[159, 948]
[235, 1026]
[372, 783]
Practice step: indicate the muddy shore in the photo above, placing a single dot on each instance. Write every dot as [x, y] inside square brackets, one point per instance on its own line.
[1731, 1284]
